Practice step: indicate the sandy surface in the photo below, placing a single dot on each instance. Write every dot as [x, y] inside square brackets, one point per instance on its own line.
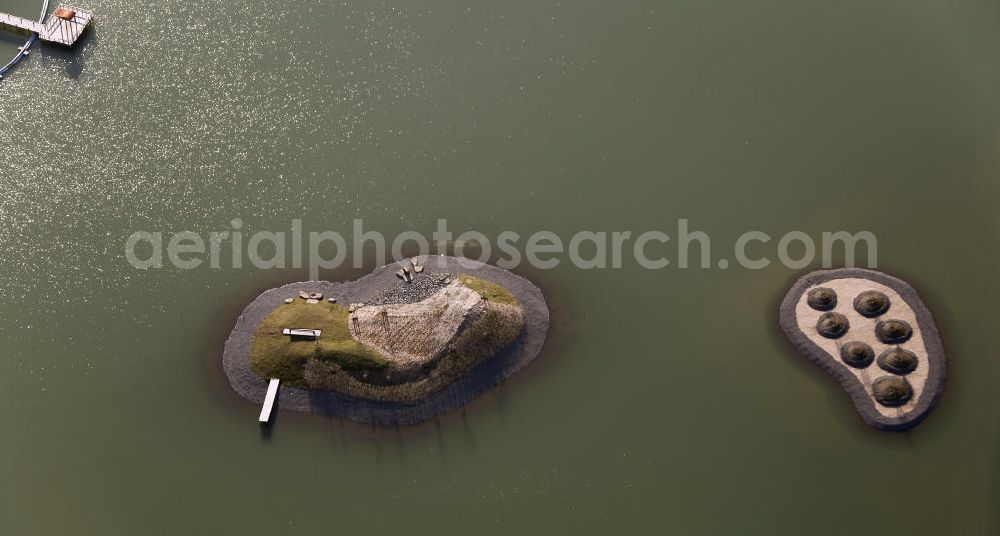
[236, 356]
[412, 334]
[798, 320]
[863, 329]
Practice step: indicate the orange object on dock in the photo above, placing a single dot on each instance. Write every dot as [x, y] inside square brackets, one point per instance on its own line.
[64, 13]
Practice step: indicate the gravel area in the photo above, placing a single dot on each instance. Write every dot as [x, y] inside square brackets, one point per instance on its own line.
[376, 285]
[421, 288]
[866, 406]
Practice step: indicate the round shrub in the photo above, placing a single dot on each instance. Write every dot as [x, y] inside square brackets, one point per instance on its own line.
[871, 303]
[898, 361]
[892, 391]
[857, 354]
[822, 299]
[893, 331]
[832, 325]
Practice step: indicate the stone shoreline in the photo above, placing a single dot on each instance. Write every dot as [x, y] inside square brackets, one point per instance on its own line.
[236, 356]
[863, 402]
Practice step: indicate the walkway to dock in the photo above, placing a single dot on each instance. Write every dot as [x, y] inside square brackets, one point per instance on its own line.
[22, 23]
[23, 50]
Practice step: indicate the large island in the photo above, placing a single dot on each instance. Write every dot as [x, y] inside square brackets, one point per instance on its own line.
[401, 345]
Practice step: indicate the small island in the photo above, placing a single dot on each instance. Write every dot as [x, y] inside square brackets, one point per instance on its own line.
[873, 333]
[399, 346]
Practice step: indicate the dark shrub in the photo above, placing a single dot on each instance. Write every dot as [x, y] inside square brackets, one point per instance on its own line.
[832, 325]
[857, 354]
[892, 391]
[822, 299]
[871, 303]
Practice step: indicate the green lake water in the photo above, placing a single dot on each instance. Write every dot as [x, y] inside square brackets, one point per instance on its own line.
[665, 402]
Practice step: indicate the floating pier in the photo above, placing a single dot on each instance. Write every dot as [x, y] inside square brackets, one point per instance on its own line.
[272, 395]
[64, 26]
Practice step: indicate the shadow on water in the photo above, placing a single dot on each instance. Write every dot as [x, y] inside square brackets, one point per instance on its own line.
[471, 443]
[442, 444]
[10, 39]
[267, 431]
[378, 450]
[499, 395]
[73, 59]
[401, 446]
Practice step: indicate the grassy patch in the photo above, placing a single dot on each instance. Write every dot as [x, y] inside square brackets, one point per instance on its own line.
[274, 355]
[489, 291]
[493, 331]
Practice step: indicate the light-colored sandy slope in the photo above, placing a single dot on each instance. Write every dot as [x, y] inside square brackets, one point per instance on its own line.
[863, 329]
[412, 334]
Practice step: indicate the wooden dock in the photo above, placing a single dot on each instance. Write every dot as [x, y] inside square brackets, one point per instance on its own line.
[64, 26]
[272, 395]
